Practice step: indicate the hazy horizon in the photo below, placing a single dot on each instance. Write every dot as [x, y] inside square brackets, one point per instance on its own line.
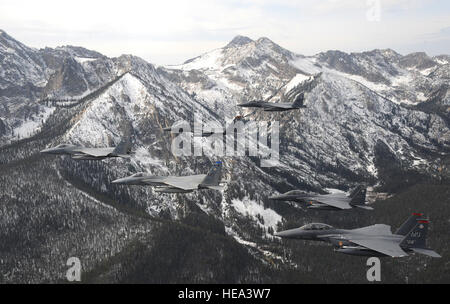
[172, 32]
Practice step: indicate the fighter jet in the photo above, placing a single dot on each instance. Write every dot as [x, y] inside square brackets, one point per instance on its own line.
[332, 201]
[276, 107]
[78, 152]
[376, 240]
[177, 184]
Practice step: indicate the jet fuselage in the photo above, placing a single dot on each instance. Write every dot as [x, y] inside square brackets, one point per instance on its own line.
[342, 239]
[270, 106]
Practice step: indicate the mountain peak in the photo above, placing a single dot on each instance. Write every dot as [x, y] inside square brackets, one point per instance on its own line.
[239, 40]
[78, 51]
[418, 60]
[385, 52]
[265, 40]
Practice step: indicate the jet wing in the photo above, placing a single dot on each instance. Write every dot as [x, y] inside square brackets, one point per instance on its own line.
[378, 229]
[97, 152]
[185, 182]
[333, 201]
[383, 246]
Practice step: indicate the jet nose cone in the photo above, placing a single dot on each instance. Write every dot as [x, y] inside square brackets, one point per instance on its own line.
[292, 233]
[47, 151]
[119, 181]
[282, 234]
[245, 104]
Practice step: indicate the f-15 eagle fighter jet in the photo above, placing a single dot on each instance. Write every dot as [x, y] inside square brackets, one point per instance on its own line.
[276, 107]
[332, 201]
[376, 240]
[177, 184]
[123, 150]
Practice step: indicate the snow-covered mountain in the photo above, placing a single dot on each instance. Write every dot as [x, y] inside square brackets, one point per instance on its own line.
[243, 69]
[404, 80]
[29, 76]
[371, 117]
[344, 93]
[409, 79]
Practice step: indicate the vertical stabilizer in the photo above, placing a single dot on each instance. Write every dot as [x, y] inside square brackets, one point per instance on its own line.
[417, 237]
[416, 240]
[299, 100]
[214, 175]
[358, 196]
[409, 224]
[124, 147]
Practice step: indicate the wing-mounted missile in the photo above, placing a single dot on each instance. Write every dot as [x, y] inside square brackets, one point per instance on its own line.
[320, 206]
[171, 190]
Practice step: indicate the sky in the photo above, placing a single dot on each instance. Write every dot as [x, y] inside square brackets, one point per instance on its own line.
[172, 31]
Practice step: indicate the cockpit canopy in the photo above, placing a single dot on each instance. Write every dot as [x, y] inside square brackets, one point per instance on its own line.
[294, 192]
[139, 174]
[316, 226]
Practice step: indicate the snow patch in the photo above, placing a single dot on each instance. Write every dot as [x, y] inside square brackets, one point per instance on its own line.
[145, 158]
[207, 61]
[419, 161]
[84, 59]
[428, 71]
[401, 80]
[372, 169]
[306, 65]
[9, 50]
[441, 61]
[238, 239]
[252, 208]
[296, 80]
[405, 101]
[28, 127]
[421, 96]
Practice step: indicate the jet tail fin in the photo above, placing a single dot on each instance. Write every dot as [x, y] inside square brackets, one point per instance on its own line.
[299, 99]
[123, 148]
[358, 196]
[416, 238]
[214, 175]
[409, 224]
